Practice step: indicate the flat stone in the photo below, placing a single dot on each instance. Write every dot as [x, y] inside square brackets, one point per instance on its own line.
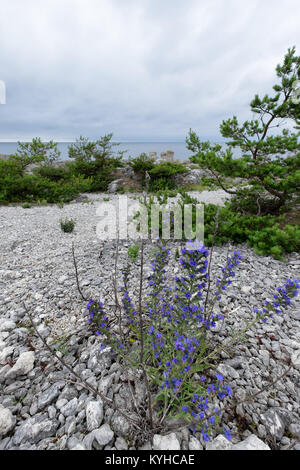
[251, 443]
[103, 435]
[295, 358]
[7, 325]
[273, 423]
[265, 357]
[33, 430]
[47, 397]
[228, 371]
[195, 444]
[24, 364]
[70, 408]
[120, 425]
[7, 420]
[246, 290]
[6, 351]
[294, 429]
[78, 447]
[94, 414]
[121, 444]
[169, 442]
[219, 443]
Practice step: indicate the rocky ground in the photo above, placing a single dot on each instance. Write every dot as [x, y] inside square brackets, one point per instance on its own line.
[42, 408]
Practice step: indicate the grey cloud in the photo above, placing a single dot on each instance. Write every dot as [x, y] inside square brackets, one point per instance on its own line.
[149, 69]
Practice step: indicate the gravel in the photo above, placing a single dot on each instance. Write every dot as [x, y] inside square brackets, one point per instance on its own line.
[40, 406]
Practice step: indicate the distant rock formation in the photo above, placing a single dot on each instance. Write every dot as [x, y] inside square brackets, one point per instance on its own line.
[167, 156]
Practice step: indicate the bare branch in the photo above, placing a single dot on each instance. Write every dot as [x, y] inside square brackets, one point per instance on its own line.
[82, 381]
[76, 274]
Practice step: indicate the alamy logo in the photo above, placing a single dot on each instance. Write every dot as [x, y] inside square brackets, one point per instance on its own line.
[124, 218]
[296, 94]
[2, 92]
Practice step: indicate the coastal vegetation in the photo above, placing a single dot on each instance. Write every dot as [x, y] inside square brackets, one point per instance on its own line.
[159, 345]
[263, 183]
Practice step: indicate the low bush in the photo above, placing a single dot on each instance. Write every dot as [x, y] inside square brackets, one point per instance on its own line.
[268, 235]
[52, 173]
[95, 160]
[133, 251]
[67, 225]
[142, 165]
[161, 175]
[168, 338]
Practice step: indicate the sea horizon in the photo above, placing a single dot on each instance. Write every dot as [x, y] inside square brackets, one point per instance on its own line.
[133, 148]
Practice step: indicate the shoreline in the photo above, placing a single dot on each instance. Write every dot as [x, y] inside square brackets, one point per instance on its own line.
[37, 267]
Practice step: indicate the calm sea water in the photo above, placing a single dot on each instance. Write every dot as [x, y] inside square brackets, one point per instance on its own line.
[134, 149]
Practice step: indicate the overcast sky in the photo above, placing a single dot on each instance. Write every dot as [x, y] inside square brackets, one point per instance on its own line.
[142, 69]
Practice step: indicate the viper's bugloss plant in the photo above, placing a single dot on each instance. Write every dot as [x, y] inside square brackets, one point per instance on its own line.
[175, 350]
[67, 225]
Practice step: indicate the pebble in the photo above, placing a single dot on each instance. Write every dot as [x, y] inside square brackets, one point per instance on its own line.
[94, 414]
[7, 420]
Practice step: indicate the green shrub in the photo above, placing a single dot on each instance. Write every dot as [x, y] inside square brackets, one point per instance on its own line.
[270, 163]
[95, 160]
[167, 169]
[16, 187]
[142, 165]
[268, 235]
[36, 151]
[52, 173]
[161, 175]
[160, 184]
[67, 225]
[133, 251]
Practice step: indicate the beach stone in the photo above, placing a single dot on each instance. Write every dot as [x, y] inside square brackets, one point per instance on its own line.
[121, 444]
[5, 353]
[294, 429]
[94, 414]
[34, 429]
[169, 442]
[195, 444]
[228, 371]
[7, 420]
[7, 325]
[43, 256]
[103, 435]
[70, 408]
[219, 443]
[78, 447]
[246, 290]
[120, 425]
[295, 358]
[251, 443]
